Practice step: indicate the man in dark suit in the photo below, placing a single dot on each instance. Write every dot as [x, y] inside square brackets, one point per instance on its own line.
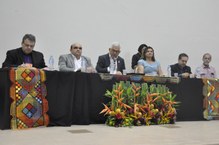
[25, 54]
[111, 63]
[181, 68]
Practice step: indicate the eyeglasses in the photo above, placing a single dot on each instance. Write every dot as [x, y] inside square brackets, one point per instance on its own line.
[116, 51]
[77, 48]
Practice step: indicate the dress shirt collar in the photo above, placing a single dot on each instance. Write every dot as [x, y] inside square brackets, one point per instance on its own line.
[205, 66]
[76, 58]
[112, 58]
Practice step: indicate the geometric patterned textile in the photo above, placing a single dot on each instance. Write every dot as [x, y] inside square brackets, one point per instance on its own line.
[29, 106]
[211, 100]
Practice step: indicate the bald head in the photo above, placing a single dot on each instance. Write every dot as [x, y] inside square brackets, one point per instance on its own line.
[206, 59]
[76, 50]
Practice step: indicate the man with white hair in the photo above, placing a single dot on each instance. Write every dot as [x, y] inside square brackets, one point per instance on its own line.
[111, 62]
[205, 70]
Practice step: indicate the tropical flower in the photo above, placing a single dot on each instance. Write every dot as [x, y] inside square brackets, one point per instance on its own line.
[139, 104]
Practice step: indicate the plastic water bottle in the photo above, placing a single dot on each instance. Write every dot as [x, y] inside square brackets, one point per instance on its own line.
[169, 71]
[51, 62]
[83, 66]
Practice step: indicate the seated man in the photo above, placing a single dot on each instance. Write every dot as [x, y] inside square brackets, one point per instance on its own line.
[136, 57]
[181, 68]
[205, 70]
[25, 54]
[111, 62]
[75, 61]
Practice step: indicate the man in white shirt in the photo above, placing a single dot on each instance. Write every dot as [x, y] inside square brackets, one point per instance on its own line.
[205, 70]
[75, 61]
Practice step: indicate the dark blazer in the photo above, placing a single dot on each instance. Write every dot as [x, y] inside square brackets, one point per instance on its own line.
[15, 58]
[177, 69]
[104, 62]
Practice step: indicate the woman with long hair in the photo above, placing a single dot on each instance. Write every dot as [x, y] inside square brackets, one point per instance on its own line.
[149, 65]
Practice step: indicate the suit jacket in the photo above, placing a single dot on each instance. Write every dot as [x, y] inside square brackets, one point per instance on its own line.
[104, 62]
[15, 58]
[66, 62]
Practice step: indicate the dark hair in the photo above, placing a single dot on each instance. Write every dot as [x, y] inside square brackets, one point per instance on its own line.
[145, 50]
[142, 46]
[182, 55]
[30, 37]
[71, 47]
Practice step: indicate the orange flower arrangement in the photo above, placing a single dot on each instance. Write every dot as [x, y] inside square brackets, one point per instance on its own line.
[139, 104]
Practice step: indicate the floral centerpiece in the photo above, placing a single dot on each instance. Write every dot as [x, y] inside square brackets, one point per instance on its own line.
[139, 104]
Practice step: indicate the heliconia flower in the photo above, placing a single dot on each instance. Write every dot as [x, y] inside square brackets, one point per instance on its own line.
[155, 99]
[136, 109]
[106, 110]
[116, 91]
[120, 100]
[120, 93]
[154, 94]
[133, 91]
[140, 107]
[136, 95]
[168, 102]
[138, 88]
[116, 97]
[134, 86]
[125, 106]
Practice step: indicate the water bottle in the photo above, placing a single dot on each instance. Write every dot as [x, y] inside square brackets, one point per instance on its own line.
[83, 65]
[169, 71]
[51, 62]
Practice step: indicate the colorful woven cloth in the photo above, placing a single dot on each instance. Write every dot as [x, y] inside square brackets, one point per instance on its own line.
[211, 100]
[28, 91]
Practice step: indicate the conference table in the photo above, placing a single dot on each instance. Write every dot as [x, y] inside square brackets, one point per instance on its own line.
[77, 97]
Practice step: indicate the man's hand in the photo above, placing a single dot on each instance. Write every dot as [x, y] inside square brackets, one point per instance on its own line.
[185, 75]
[90, 70]
[118, 73]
